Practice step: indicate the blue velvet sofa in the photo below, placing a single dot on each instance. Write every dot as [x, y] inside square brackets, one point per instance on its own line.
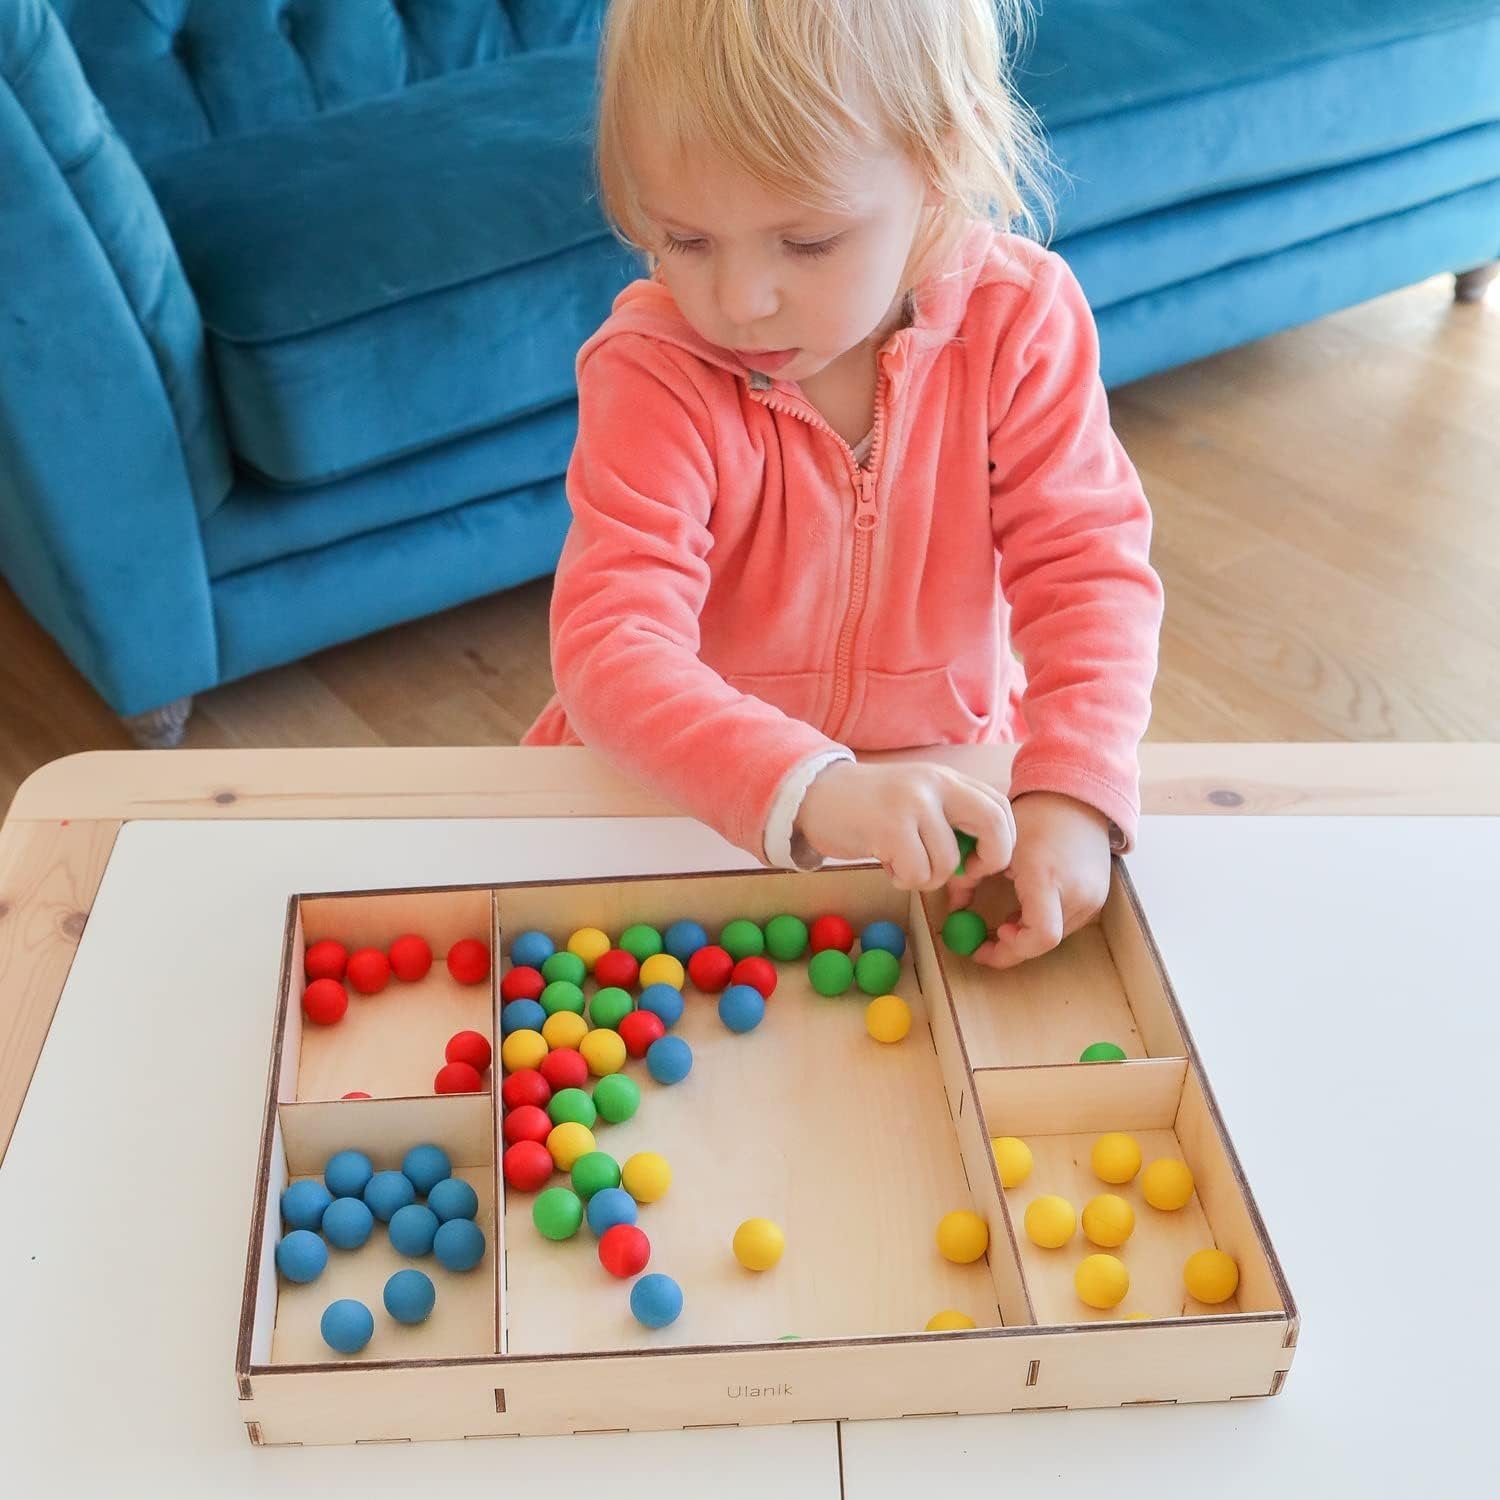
[290, 290]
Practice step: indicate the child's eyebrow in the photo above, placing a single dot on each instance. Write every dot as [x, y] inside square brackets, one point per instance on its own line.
[793, 226]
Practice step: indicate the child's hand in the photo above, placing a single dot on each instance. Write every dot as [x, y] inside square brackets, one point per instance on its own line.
[903, 813]
[1061, 873]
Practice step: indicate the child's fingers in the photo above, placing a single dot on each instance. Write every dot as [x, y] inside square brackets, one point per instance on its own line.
[1036, 929]
[982, 811]
[907, 860]
[941, 846]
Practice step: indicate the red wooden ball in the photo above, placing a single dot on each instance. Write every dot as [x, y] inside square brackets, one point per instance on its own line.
[369, 971]
[522, 984]
[527, 1166]
[469, 961]
[326, 959]
[759, 973]
[528, 1123]
[457, 1078]
[639, 1029]
[624, 1250]
[354, 1094]
[325, 1001]
[525, 1086]
[472, 1047]
[411, 957]
[564, 1068]
[617, 967]
[709, 968]
[830, 932]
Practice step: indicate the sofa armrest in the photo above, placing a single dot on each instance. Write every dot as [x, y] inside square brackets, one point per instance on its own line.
[111, 444]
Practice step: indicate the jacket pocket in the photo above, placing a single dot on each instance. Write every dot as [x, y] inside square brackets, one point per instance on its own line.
[898, 710]
[800, 695]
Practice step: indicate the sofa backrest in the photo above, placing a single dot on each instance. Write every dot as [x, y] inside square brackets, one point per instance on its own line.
[177, 73]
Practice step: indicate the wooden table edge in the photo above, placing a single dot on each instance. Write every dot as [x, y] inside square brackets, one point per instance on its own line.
[61, 828]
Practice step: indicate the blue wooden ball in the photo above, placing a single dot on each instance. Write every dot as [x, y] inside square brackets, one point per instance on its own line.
[413, 1229]
[301, 1256]
[742, 1008]
[453, 1198]
[683, 939]
[302, 1204]
[522, 1015]
[608, 1207]
[885, 935]
[410, 1296]
[347, 1173]
[531, 950]
[669, 1059]
[385, 1192]
[459, 1245]
[347, 1326]
[663, 1000]
[656, 1300]
[425, 1166]
[347, 1223]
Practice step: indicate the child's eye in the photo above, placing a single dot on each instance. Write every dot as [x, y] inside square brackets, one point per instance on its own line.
[677, 246]
[814, 248]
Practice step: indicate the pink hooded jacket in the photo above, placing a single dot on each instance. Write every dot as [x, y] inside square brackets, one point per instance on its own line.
[738, 595]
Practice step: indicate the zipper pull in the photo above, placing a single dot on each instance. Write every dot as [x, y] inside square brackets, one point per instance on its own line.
[865, 514]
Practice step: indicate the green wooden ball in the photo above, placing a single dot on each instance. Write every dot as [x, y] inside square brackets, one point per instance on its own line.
[786, 938]
[1102, 1052]
[831, 972]
[877, 971]
[967, 844]
[964, 931]
[557, 1213]
[617, 1097]
[609, 1006]
[562, 994]
[742, 939]
[572, 1105]
[593, 1172]
[641, 942]
[565, 966]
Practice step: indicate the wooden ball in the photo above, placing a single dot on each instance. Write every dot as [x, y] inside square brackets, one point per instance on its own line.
[710, 968]
[472, 1047]
[617, 967]
[411, 958]
[469, 961]
[324, 1001]
[624, 1251]
[639, 1029]
[326, 959]
[529, 1122]
[457, 1078]
[522, 983]
[564, 1068]
[527, 1165]
[831, 932]
[526, 1086]
[758, 972]
[369, 971]
[962, 1237]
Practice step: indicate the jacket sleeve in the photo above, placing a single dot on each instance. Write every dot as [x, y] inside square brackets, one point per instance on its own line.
[1073, 530]
[630, 587]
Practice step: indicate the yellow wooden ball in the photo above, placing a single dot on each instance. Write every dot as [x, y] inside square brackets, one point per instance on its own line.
[888, 1019]
[1167, 1184]
[567, 1142]
[1108, 1220]
[962, 1236]
[1102, 1281]
[758, 1244]
[1013, 1159]
[564, 1028]
[523, 1049]
[662, 968]
[1050, 1221]
[603, 1051]
[949, 1318]
[646, 1176]
[1116, 1158]
[590, 944]
[1211, 1276]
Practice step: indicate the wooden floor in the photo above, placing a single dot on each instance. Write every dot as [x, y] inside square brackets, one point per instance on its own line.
[1328, 529]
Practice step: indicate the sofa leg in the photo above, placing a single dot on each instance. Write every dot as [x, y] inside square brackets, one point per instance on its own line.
[162, 728]
[1469, 286]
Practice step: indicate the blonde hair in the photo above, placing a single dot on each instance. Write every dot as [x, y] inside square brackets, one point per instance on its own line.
[789, 91]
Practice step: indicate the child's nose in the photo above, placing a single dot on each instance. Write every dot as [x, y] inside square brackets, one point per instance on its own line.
[746, 296]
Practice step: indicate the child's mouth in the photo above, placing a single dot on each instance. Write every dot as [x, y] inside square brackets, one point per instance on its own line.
[767, 361]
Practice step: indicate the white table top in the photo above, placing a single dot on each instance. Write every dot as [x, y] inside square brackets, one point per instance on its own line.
[1340, 979]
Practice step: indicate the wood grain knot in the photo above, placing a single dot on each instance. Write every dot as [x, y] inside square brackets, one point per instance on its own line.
[1223, 797]
[225, 798]
[73, 924]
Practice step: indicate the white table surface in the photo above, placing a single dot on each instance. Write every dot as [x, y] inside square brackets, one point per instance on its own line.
[1340, 976]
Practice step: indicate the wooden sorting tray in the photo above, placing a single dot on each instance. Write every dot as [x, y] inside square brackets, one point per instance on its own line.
[856, 1149]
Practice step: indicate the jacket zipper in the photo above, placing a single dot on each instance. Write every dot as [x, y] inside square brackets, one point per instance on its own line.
[866, 518]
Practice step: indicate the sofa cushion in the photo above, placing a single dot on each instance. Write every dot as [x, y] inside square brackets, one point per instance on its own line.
[1150, 105]
[400, 273]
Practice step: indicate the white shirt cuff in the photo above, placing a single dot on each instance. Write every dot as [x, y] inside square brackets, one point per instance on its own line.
[786, 849]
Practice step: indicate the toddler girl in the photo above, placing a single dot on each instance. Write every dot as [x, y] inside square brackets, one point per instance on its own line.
[845, 479]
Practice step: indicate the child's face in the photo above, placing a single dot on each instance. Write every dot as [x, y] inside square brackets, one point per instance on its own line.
[788, 288]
